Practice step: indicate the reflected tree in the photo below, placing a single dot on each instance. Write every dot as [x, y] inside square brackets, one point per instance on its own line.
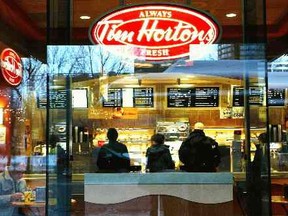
[90, 61]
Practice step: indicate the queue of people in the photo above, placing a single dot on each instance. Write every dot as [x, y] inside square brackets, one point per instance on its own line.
[198, 153]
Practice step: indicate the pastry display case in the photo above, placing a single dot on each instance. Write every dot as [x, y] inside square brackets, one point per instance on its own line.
[175, 133]
[137, 141]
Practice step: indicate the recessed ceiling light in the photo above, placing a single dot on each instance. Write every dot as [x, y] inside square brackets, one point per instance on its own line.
[85, 17]
[231, 15]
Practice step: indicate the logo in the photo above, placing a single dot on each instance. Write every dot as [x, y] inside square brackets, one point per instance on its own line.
[157, 32]
[11, 67]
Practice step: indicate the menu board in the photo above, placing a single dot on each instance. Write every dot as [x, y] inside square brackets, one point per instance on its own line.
[193, 97]
[114, 98]
[79, 98]
[41, 100]
[143, 97]
[238, 96]
[130, 97]
[206, 97]
[256, 96]
[179, 97]
[276, 97]
[58, 99]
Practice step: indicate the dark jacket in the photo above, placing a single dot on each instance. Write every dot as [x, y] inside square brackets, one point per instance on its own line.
[199, 153]
[159, 158]
[113, 157]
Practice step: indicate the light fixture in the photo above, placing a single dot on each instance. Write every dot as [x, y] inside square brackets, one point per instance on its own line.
[1, 116]
[84, 17]
[230, 15]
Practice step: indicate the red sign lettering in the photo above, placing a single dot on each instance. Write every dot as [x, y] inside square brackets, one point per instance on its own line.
[161, 31]
[11, 67]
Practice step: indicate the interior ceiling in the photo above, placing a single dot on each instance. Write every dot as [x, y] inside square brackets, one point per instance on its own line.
[36, 10]
[29, 17]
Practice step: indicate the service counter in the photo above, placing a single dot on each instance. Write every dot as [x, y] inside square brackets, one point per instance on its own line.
[175, 193]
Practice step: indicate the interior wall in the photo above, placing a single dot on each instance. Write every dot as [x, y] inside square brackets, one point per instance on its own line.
[148, 117]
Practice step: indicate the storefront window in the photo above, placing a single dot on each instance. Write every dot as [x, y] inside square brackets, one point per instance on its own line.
[152, 71]
[141, 91]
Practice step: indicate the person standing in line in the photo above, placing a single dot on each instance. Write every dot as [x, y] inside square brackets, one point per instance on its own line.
[95, 154]
[113, 157]
[256, 186]
[12, 186]
[158, 155]
[199, 153]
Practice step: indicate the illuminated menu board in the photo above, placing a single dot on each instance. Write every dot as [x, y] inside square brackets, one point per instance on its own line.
[256, 96]
[130, 97]
[179, 97]
[79, 98]
[143, 97]
[206, 97]
[238, 96]
[114, 98]
[276, 97]
[193, 97]
[58, 99]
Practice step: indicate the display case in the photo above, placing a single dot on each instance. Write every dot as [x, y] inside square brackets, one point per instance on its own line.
[137, 141]
[231, 146]
[278, 157]
[175, 133]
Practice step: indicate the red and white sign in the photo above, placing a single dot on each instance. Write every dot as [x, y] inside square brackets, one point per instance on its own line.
[159, 31]
[11, 67]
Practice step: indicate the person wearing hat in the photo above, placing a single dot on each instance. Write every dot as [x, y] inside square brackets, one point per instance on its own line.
[12, 185]
[199, 153]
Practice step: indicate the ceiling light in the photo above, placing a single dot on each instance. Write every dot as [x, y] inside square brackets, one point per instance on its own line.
[230, 15]
[85, 17]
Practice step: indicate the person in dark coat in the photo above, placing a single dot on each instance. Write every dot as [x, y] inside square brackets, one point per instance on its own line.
[199, 153]
[257, 185]
[158, 155]
[113, 157]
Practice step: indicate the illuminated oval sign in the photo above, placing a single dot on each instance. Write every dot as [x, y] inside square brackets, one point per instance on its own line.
[11, 67]
[159, 32]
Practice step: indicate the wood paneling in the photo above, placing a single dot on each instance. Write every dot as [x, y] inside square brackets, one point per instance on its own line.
[169, 206]
[277, 116]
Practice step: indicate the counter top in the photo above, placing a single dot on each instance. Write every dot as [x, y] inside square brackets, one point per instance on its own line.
[157, 178]
[195, 187]
[238, 176]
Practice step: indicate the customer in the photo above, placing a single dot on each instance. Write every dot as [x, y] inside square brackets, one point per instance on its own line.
[94, 159]
[256, 187]
[158, 155]
[199, 153]
[113, 157]
[260, 151]
[12, 186]
[62, 158]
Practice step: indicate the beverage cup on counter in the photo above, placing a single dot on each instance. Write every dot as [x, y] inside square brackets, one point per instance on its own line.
[27, 196]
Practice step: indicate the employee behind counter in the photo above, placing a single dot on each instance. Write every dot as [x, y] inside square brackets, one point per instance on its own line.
[198, 153]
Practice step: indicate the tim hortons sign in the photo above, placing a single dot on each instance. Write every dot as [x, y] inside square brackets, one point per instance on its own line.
[11, 67]
[158, 31]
